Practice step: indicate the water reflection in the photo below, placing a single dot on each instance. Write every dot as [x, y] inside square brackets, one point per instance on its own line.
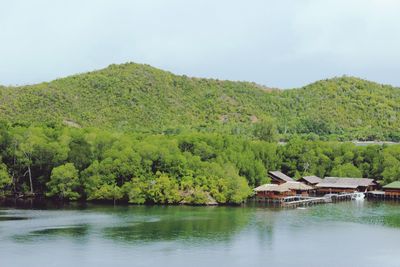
[264, 224]
[374, 213]
[227, 236]
[12, 218]
[184, 223]
[72, 232]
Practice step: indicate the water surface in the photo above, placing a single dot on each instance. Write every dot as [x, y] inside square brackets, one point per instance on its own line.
[341, 234]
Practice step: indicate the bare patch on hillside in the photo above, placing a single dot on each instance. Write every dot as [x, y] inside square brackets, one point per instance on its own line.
[72, 123]
[228, 99]
[223, 118]
[253, 119]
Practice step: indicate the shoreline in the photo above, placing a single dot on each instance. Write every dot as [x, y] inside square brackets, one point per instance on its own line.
[48, 203]
[26, 202]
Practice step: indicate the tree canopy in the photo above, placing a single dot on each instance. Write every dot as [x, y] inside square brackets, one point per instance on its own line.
[198, 168]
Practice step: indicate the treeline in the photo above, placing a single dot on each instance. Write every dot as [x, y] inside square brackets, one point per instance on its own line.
[196, 168]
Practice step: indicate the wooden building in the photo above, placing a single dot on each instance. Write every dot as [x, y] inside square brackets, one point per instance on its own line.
[347, 185]
[392, 189]
[278, 177]
[310, 180]
[278, 191]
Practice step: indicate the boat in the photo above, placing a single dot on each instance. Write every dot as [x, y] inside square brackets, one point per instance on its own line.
[358, 196]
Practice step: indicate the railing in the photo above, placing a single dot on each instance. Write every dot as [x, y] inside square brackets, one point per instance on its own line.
[295, 201]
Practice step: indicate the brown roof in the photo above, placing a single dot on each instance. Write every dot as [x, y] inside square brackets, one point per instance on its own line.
[280, 175]
[312, 179]
[338, 182]
[285, 187]
[270, 188]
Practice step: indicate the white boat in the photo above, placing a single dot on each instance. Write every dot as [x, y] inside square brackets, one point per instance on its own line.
[358, 196]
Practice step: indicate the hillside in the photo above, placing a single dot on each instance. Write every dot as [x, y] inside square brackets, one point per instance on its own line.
[134, 97]
[218, 141]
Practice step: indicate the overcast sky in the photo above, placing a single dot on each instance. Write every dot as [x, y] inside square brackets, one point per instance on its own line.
[280, 43]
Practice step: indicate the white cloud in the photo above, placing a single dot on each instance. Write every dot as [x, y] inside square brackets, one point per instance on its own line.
[278, 43]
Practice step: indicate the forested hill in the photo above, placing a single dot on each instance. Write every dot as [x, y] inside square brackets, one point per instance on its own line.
[141, 98]
[95, 136]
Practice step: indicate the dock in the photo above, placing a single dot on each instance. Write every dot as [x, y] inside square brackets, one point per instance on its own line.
[296, 201]
[304, 201]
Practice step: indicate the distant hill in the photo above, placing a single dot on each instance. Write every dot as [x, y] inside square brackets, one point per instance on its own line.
[135, 97]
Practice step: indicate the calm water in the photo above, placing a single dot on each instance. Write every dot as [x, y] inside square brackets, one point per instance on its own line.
[344, 234]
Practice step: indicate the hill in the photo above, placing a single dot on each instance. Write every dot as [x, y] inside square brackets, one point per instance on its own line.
[134, 97]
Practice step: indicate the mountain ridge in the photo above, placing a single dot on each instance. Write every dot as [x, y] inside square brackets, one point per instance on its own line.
[139, 97]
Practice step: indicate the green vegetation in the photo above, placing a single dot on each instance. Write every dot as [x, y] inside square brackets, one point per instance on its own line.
[139, 98]
[92, 164]
[137, 134]
[64, 182]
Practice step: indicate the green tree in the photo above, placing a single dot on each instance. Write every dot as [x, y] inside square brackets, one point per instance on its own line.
[5, 178]
[346, 170]
[164, 190]
[108, 192]
[135, 190]
[391, 164]
[266, 130]
[36, 150]
[64, 182]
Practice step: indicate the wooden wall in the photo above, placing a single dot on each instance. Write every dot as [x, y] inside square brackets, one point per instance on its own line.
[392, 192]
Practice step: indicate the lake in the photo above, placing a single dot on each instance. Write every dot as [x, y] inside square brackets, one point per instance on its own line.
[342, 234]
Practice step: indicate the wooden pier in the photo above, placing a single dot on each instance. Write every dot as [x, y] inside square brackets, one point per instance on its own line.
[300, 201]
[296, 201]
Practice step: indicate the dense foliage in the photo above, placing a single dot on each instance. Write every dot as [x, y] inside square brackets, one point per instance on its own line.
[138, 134]
[139, 98]
[71, 163]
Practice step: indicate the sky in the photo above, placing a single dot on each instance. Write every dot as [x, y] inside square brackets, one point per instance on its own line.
[277, 43]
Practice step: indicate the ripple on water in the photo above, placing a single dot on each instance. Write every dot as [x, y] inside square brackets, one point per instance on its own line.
[182, 228]
[68, 231]
[13, 218]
